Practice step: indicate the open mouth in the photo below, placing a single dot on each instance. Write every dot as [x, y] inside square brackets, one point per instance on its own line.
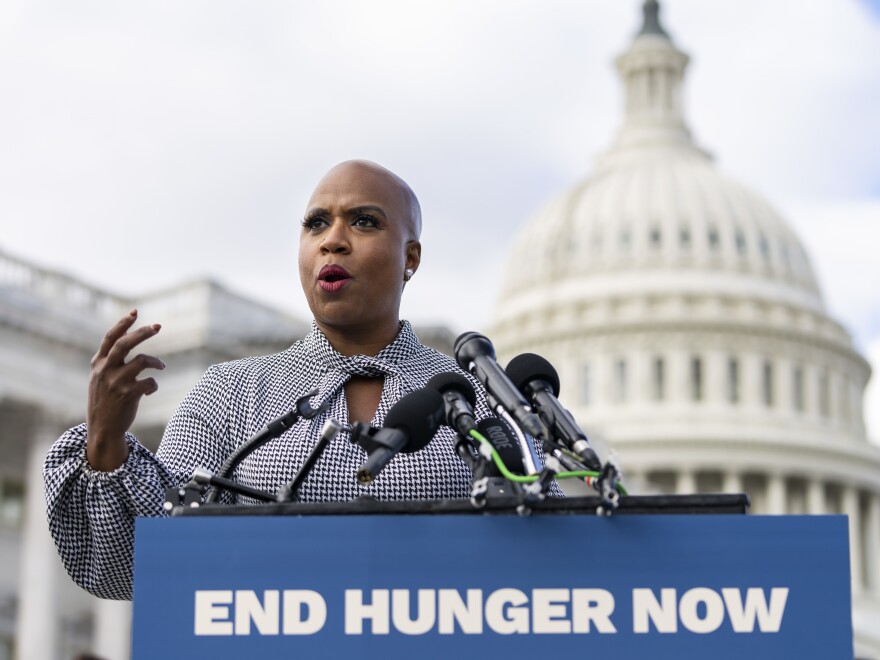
[333, 277]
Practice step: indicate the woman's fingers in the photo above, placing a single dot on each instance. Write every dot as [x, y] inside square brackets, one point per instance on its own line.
[126, 342]
[114, 334]
[145, 386]
[115, 391]
[118, 341]
[140, 362]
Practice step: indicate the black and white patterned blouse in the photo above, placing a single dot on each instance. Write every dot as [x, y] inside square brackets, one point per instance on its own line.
[91, 513]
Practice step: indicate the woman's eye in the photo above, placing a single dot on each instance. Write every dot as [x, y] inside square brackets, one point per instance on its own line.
[365, 221]
[311, 224]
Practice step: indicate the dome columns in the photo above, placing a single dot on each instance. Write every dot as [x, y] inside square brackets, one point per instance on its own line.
[851, 508]
[816, 497]
[732, 482]
[652, 75]
[872, 543]
[780, 493]
[777, 496]
[652, 70]
[685, 482]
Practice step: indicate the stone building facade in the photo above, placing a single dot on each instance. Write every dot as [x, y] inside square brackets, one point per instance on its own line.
[689, 329]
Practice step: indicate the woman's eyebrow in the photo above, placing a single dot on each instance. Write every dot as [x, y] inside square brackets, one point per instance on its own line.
[316, 211]
[368, 208]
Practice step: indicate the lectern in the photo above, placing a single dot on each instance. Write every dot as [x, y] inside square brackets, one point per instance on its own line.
[426, 580]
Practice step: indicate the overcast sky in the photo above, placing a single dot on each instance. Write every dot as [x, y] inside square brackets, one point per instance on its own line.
[142, 144]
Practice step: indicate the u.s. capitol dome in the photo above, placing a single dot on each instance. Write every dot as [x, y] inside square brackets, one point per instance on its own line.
[689, 329]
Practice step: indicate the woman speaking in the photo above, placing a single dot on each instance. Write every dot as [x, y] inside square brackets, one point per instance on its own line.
[359, 245]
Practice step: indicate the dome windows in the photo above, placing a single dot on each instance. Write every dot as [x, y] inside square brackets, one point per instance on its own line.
[764, 246]
[696, 378]
[658, 379]
[621, 384]
[733, 379]
[714, 239]
[767, 383]
[740, 240]
[655, 238]
[786, 257]
[586, 388]
[624, 239]
[824, 394]
[684, 237]
[797, 388]
[663, 379]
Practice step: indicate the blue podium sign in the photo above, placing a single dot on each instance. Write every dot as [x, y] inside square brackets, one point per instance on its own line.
[470, 586]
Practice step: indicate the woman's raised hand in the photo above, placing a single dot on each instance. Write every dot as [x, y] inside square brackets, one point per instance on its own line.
[115, 390]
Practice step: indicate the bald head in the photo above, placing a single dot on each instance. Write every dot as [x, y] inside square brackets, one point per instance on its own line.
[364, 220]
[412, 211]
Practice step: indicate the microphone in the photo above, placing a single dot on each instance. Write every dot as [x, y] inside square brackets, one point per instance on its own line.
[498, 434]
[476, 355]
[409, 426]
[538, 380]
[459, 398]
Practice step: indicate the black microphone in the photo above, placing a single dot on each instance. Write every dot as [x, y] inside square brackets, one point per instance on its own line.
[476, 355]
[409, 426]
[459, 397]
[500, 437]
[538, 380]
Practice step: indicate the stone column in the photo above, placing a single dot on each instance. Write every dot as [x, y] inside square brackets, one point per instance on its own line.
[38, 617]
[685, 483]
[815, 497]
[851, 509]
[678, 380]
[112, 638]
[872, 545]
[716, 378]
[732, 482]
[776, 496]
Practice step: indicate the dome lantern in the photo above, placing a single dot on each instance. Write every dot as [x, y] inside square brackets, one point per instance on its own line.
[651, 23]
[652, 71]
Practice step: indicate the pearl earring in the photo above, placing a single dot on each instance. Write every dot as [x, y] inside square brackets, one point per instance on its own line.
[407, 274]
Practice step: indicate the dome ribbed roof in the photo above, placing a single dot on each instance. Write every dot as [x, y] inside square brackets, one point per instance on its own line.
[665, 213]
[656, 205]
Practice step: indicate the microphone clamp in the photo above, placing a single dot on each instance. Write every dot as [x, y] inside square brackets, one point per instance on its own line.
[606, 484]
[371, 440]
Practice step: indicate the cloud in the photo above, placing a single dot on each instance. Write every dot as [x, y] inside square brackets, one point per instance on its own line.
[147, 143]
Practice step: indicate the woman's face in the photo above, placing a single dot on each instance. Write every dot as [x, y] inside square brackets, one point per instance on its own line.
[357, 239]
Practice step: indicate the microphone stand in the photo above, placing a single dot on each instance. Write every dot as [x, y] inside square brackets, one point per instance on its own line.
[478, 466]
[191, 493]
[206, 478]
[290, 492]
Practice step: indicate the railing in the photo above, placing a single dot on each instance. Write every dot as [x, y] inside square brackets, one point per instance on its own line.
[195, 312]
[58, 289]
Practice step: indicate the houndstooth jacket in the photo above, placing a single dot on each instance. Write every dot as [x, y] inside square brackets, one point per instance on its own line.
[91, 513]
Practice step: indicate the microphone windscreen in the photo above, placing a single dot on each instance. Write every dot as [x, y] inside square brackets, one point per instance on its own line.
[452, 381]
[498, 433]
[528, 367]
[419, 415]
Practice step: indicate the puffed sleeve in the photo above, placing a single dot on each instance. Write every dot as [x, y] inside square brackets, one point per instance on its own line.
[91, 513]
